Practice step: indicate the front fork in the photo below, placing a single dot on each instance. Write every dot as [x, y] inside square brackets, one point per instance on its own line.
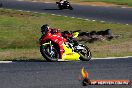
[78, 48]
[51, 47]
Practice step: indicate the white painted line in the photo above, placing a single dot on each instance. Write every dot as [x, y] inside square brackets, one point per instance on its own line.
[20, 0]
[80, 18]
[102, 21]
[28, 11]
[123, 7]
[48, 2]
[79, 60]
[87, 19]
[35, 12]
[58, 15]
[61, 15]
[53, 14]
[62, 60]
[9, 9]
[65, 16]
[20, 10]
[34, 1]
[5, 61]
[72, 17]
[112, 58]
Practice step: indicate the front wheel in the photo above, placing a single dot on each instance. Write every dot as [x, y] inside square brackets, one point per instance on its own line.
[70, 8]
[49, 52]
[85, 53]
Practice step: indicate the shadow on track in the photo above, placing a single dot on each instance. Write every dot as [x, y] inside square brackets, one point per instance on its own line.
[51, 9]
[31, 60]
[34, 60]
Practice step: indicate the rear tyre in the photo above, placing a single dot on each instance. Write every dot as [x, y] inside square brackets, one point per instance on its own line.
[49, 55]
[85, 54]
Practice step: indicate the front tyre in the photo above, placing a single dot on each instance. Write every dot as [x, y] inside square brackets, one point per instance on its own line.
[48, 53]
[85, 54]
[70, 8]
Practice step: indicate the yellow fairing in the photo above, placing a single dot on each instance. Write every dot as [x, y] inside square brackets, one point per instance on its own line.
[75, 34]
[69, 55]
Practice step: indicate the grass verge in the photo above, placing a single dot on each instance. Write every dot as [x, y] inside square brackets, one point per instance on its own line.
[20, 31]
[118, 2]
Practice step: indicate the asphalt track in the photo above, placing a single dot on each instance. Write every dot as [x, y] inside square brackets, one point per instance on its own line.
[63, 74]
[110, 14]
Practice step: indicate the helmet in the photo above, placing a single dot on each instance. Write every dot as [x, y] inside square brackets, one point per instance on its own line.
[45, 28]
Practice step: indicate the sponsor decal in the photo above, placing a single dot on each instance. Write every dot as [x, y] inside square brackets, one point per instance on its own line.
[86, 81]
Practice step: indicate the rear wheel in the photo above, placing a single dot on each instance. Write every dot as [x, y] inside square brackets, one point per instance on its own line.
[49, 52]
[85, 54]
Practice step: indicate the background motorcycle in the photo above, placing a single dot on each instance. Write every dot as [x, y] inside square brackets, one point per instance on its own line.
[65, 5]
[53, 47]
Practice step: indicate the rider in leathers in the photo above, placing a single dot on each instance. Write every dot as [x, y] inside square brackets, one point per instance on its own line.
[63, 1]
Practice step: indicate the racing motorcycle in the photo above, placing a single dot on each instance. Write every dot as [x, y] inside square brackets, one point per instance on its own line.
[54, 46]
[65, 5]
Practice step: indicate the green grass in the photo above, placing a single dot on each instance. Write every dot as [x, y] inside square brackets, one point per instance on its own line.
[119, 2]
[20, 32]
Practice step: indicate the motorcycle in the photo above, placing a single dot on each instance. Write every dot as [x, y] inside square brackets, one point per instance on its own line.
[55, 47]
[65, 5]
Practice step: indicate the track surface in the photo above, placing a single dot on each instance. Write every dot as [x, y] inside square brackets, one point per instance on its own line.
[110, 14]
[63, 74]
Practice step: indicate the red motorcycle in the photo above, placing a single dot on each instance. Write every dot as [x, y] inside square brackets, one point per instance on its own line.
[56, 46]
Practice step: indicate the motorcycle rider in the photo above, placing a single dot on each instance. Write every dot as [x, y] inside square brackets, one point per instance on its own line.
[64, 4]
[66, 34]
[46, 28]
[54, 46]
[63, 1]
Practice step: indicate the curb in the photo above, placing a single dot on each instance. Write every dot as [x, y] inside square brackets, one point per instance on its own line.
[6, 61]
[112, 58]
